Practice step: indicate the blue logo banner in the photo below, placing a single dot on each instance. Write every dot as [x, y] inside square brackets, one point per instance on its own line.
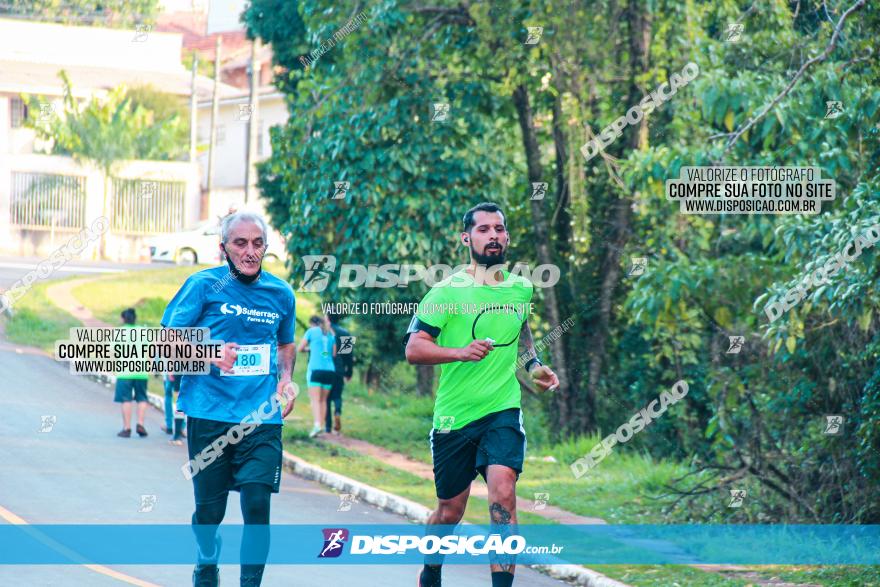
[410, 544]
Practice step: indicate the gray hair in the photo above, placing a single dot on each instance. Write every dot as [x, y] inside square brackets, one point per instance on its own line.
[233, 219]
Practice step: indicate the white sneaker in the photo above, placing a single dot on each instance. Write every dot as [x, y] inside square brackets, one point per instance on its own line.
[316, 430]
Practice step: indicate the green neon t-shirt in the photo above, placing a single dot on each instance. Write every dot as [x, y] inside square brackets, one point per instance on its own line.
[127, 375]
[465, 311]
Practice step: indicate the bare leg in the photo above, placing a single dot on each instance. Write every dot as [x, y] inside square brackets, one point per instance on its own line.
[448, 513]
[323, 405]
[315, 400]
[502, 509]
[142, 410]
[126, 415]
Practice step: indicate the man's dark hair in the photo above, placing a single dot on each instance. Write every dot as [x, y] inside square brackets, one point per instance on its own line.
[129, 316]
[335, 318]
[482, 207]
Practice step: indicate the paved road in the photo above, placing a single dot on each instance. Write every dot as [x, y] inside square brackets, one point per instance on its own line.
[14, 268]
[80, 472]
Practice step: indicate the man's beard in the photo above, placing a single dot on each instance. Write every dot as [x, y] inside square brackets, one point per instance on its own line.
[488, 260]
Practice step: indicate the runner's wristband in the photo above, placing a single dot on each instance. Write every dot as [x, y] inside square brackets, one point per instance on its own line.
[532, 361]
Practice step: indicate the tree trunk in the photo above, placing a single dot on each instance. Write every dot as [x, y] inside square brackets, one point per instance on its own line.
[565, 403]
[552, 311]
[562, 218]
[425, 380]
[372, 377]
[639, 19]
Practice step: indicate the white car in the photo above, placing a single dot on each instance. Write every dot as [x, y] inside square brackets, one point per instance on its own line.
[201, 245]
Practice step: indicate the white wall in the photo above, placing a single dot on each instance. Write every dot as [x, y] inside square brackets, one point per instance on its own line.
[4, 125]
[231, 155]
[119, 247]
[37, 42]
[5, 177]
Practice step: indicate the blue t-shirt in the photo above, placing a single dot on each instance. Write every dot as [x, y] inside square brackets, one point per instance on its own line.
[320, 349]
[262, 312]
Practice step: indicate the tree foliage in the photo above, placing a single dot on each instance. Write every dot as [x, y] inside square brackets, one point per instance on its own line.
[519, 113]
[110, 13]
[104, 130]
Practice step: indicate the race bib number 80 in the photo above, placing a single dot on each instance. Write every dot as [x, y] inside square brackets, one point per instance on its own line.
[252, 359]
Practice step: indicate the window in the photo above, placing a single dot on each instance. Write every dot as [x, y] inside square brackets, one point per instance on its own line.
[17, 112]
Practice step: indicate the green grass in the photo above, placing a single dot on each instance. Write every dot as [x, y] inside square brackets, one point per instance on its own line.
[367, 416]
[672, 575]
[620, 490]
[832, 576]
[666, 576]
[38, 322]
[384, 477]
[147, 291]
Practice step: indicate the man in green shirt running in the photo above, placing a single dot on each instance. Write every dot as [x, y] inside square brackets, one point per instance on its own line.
[470, 324]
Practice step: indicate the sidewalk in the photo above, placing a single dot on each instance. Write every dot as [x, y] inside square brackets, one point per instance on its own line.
[61, 295]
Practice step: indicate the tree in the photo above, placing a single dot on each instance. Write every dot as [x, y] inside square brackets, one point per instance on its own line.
[105, 131]
[163, 108]
[112, 13]
[762, 412]
[521, 114]
[395, 158]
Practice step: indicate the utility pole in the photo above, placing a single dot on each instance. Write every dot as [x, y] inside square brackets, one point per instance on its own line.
[250, 172]
[215, 114]
[193, 109]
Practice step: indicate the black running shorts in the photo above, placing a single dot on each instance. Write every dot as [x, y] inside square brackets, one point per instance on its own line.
[495, 439]
[255, 458]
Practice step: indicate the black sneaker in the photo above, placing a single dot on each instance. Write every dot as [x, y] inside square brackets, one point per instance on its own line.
[124, 433]
[206, 576]
[429, 576]
[252, 578]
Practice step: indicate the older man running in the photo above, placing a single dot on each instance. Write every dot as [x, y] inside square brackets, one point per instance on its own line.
[253, 312]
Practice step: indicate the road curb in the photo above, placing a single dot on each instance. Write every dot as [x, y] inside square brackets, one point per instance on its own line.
[578, 575]
[363, 492]
[574, 574]
[156, 401]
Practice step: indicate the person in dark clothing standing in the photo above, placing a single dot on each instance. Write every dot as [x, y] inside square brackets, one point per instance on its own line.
[344, 363]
